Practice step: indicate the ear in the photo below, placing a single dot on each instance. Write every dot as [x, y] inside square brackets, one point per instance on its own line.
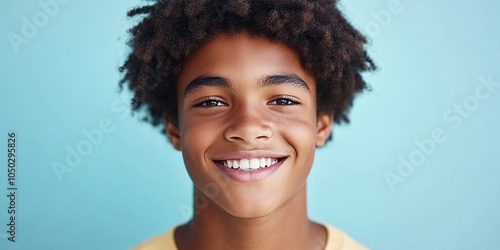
[323, 128]
[173, 133]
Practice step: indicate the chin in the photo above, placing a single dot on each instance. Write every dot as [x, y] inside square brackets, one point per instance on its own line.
[247, 207]
[250, 213]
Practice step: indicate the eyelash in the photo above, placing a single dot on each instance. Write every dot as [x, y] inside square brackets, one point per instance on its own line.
[204, 103]
[290, 101]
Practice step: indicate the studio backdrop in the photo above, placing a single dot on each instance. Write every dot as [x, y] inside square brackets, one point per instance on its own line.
[417, 167]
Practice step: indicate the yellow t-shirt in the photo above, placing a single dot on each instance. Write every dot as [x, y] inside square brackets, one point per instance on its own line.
[337, 240]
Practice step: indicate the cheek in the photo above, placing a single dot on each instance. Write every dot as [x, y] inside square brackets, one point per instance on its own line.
[300, 132]
[197, 137]
[193, 144]
[298, 128]
[199, 132]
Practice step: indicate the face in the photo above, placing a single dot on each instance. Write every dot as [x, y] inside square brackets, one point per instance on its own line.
[248, 125]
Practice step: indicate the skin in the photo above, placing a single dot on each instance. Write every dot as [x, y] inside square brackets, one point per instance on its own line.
[244, 116]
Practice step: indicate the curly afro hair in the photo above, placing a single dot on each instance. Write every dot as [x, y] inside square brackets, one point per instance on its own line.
[329, 47]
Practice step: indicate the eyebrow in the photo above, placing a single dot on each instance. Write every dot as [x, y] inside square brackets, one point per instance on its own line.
[266, 81]
[274, 80]
[206, 81]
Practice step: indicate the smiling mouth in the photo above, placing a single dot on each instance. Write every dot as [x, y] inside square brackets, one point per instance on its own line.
[252, 164]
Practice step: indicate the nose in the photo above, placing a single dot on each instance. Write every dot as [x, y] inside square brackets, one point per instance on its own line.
[248, 125]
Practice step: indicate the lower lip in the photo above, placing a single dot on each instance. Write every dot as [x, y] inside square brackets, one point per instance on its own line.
[248, 176]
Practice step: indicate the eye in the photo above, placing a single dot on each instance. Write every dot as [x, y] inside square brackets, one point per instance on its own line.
[284, 101]
[209, 103]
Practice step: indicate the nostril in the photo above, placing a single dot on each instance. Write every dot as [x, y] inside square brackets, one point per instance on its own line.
[248, 130]
[248, 136]
[262, 137]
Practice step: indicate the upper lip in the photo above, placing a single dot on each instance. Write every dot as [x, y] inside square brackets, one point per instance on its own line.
[249, 155]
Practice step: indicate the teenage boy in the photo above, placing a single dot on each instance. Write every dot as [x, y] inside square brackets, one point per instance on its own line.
[249, 90]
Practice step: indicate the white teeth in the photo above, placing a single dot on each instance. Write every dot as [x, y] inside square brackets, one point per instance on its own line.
[262, 162]
[254, 163]
[244, 164]
[249, 164]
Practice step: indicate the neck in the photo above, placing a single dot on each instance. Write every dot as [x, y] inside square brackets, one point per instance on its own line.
[285, 228]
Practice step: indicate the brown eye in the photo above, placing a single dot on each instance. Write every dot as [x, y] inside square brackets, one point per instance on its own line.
[210, 103]
[283, 102]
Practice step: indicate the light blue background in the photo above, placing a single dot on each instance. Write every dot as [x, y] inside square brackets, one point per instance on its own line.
[133, 184]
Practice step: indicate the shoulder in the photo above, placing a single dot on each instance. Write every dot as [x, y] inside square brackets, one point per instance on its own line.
[165, 241]
[338, 240]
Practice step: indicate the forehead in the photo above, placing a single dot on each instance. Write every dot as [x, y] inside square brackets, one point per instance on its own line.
[242, 58]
